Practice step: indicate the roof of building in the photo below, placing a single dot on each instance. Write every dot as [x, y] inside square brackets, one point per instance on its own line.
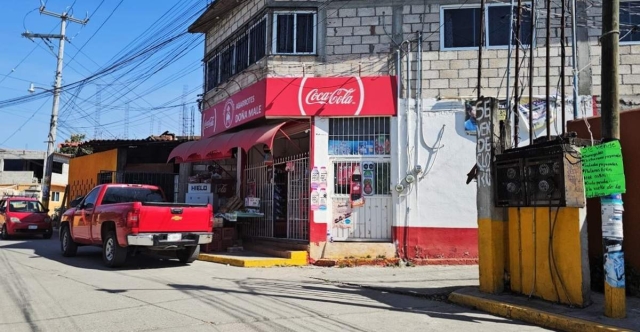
[214, 11]
[165, 138]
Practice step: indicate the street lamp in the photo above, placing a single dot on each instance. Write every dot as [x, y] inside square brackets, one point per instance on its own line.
[32, 88]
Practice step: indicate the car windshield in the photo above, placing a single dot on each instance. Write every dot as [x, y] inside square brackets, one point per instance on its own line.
[127, 195]
[26, 206]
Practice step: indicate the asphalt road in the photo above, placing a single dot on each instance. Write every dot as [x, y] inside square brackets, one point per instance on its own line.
[42, 291]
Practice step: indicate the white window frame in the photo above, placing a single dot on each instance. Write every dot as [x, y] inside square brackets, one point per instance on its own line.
[486, 27]
[274, 37]
[628, 42]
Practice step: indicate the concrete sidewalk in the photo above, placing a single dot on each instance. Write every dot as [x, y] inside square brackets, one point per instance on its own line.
[458, 284]
[427, 281]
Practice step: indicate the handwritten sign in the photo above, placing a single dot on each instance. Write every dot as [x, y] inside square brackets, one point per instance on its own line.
[603, 170]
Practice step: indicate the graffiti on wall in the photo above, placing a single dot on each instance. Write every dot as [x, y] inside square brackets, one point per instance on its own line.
[484, 145]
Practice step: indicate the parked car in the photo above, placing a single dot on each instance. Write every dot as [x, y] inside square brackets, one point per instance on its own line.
[126, 218]
[24, 216]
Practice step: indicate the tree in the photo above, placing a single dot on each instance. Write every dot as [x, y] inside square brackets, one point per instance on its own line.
[72, 146]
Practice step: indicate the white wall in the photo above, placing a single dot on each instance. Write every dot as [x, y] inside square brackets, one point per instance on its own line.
[446, 154]
[61, 179]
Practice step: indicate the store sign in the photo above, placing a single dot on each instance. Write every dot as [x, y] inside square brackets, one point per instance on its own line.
[303, 97]
[238, 109]
[332, 96]
[199, 188]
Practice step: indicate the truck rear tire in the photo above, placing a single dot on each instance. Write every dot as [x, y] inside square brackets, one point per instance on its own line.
[188, 255]
[69, 248]
[112, 254]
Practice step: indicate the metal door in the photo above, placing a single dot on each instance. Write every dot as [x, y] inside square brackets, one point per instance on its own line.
[371, 221]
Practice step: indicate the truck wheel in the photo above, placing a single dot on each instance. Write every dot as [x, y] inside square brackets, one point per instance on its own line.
[4, 233]
[69, 248]
[112, 254]
[188, 254]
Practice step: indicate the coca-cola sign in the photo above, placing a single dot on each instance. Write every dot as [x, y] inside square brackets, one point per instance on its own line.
[346, 95]
[303, 97]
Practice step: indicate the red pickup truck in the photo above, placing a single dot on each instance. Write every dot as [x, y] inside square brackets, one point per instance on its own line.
[127, 218]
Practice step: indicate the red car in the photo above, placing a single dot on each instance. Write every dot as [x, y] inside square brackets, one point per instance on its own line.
[24, 216]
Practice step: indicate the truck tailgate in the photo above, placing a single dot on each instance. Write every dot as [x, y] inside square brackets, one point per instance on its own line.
[160, 218]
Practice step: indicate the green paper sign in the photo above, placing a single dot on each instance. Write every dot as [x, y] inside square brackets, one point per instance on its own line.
[603, 170]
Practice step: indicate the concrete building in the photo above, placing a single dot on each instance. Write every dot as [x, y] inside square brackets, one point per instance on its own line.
[431, 218]
[21, 173]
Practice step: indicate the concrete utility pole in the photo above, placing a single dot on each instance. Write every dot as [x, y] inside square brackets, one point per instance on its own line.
[53, 126]
[614, 295]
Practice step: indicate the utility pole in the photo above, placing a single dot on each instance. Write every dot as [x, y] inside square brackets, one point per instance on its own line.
[53, 125]
[614, 295]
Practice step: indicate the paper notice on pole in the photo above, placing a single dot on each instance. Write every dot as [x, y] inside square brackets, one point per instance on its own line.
[603, 170]
[612, 221]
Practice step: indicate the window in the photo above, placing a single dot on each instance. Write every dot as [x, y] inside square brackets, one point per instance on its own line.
[461, 26]
[213, 72]
[231, 58]
[26, 206]
[630, 21]
[91, 198]
[294, 33]
[116, 195]
[55, 196]
[376, 177]
[359, 136]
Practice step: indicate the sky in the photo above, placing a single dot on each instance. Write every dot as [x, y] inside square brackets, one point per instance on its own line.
[155, 102]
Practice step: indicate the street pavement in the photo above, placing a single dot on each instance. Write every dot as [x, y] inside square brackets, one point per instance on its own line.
[42, 291]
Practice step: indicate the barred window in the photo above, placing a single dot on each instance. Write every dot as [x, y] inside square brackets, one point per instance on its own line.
[232, 58]
[294, 32]
[360, 136]
[376, 177]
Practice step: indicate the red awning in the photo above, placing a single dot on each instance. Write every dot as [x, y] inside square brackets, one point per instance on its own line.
[219, 146]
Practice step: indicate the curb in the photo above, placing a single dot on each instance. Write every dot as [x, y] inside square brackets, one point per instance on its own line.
[296, 260]
[530, 315]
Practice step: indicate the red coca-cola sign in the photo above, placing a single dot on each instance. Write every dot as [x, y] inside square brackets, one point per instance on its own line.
[303, 97]
[332, 96]
[342, 95]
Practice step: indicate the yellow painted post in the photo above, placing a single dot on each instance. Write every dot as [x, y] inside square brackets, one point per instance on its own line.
[491, 220]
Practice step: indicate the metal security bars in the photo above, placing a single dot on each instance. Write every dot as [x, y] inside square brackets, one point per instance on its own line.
[372, 221]
[283, 189]
[360, 136]
[233, 57]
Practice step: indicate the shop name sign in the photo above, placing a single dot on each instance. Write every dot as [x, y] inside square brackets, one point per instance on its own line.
[346, 98]
[199, 188]
[240, 108]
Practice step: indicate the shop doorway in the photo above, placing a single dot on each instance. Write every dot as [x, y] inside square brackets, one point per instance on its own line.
[283, 189]
[372, 221]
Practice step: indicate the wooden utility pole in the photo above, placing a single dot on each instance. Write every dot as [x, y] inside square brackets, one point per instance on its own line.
[614, 293]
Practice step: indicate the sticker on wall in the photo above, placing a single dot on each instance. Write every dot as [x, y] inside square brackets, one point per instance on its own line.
[341, 214]
[315, 178]
[323, 177]
[315, 200]
[322, 206]
[357, 200]
[368, 178]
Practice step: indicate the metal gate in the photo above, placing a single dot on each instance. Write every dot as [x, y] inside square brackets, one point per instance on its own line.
[283, 189]
[373, 220]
